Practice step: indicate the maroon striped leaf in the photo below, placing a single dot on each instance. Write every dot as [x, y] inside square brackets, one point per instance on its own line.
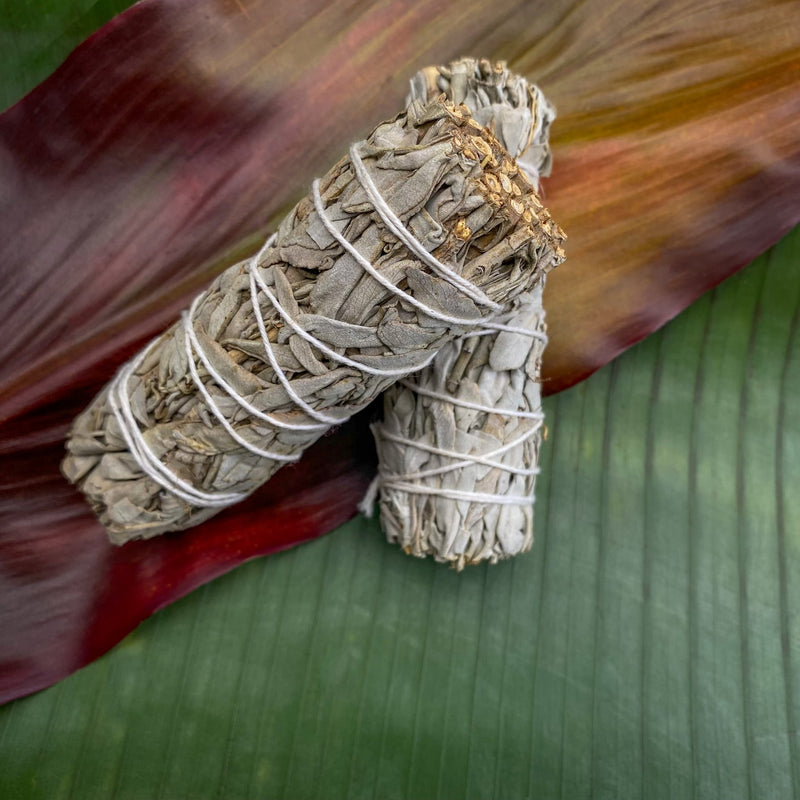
[169, 143]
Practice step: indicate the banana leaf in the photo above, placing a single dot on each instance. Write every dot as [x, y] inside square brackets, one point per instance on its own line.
[169, 143]
[648, 647]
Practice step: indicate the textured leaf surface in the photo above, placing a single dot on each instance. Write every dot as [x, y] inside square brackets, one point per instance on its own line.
[647, 647]
[37, 35]
[69, 595]
[181, 127]
[168, 143]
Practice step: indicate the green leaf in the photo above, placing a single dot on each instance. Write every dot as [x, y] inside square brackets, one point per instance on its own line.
[647, 647]
[37, 35]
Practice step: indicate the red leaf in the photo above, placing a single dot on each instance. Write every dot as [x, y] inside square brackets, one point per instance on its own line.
[159, 152]
[68, 594]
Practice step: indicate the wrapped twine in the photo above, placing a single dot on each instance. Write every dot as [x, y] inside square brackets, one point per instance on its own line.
[459, 444]
[400, 248]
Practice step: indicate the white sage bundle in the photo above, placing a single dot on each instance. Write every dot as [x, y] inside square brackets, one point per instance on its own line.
[459, 445]
[397, 250]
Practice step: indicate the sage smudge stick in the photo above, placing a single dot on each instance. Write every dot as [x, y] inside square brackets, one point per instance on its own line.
[401, 247]
[459, 445]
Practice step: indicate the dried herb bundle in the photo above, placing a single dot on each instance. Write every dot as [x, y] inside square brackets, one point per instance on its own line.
[333, 330]
[459, 446]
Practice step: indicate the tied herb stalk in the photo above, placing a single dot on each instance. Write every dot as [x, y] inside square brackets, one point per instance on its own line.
[308, 307]
[459, 444]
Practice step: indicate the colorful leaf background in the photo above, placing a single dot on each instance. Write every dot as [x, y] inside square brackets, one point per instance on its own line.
[648, 646]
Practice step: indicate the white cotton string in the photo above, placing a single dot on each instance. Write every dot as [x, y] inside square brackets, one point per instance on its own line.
[367, 503]
[304, 334]
[466, 458]
[229, 390]
[212, 405]
[395, 225]
[457, 401]
[193, 342]
[381, 279]
[402, 482]
[495, 327]
[455, 494]
[281, 375]
[121, 406]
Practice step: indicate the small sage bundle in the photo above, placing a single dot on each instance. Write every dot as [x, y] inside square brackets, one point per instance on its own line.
[401, 247]
[459, 446]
